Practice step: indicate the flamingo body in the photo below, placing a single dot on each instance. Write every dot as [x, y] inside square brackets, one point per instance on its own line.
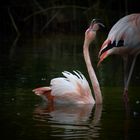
[74, 88]
[71, 89]
[123, 39]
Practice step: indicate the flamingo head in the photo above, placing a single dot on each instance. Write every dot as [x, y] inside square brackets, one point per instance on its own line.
[102, 57]
[95, 25]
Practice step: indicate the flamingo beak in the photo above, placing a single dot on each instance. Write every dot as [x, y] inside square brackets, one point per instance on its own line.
[102, 57]
[97, 21]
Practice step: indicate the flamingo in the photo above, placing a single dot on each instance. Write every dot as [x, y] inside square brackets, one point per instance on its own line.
[73, 88]
[123, 39]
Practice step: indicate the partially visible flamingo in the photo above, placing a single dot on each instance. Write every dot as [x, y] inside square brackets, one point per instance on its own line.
[123, 39]
[74, 88]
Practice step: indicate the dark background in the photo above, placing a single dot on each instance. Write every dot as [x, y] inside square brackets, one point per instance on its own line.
[30, 18]
[67, 16]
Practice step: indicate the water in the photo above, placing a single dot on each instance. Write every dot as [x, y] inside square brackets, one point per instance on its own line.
[33, 63]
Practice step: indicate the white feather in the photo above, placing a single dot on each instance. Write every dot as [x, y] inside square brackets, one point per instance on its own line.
[68, 83]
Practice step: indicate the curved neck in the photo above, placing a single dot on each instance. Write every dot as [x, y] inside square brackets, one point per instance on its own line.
[92, 75]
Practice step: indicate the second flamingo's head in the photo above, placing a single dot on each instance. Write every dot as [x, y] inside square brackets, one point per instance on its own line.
[109, 47]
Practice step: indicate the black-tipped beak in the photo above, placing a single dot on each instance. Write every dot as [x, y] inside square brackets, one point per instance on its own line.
[97, 21]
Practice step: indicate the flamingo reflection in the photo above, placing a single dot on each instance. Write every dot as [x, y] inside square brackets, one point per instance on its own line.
[70, 117]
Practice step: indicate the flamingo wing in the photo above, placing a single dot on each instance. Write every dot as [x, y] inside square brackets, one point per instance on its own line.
[72, 88]
[126, 28]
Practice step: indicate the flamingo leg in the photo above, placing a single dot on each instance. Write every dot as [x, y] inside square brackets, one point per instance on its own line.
[126, 70]
[125, 59]
[125, 94]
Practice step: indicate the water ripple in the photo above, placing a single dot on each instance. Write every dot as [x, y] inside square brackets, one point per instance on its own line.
[70, 122]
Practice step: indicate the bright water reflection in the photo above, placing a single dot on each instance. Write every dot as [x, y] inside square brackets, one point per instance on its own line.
[70, 121]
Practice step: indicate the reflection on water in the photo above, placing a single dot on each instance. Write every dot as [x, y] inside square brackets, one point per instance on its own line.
[71, 121]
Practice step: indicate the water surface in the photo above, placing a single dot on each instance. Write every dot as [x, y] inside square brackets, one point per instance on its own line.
[34, 62]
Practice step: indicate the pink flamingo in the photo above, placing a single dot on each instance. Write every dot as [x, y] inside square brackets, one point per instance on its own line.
[74, 88]
[123, 39]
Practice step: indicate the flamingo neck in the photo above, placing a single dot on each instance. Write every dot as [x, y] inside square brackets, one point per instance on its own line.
[91, 72]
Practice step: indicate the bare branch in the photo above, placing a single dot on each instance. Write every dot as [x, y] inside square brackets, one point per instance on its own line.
[38, 5]
[50, 8]
[13, 22]
[49, 21]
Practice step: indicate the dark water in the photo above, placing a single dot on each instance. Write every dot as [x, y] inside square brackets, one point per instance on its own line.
[33, 63]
